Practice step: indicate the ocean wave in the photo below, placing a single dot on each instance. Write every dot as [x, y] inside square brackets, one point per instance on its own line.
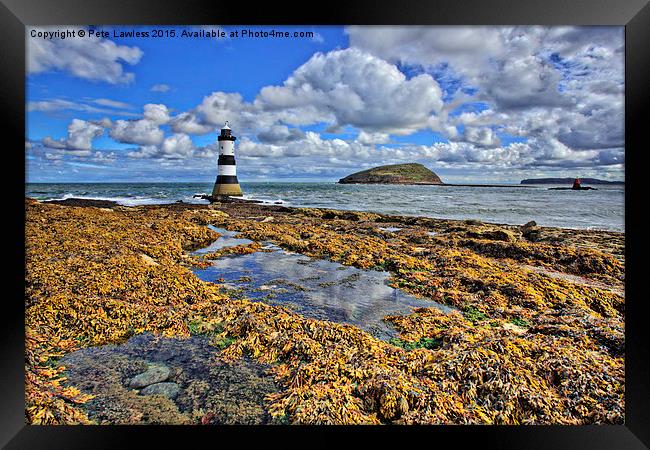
[266, 200]
[136, 200]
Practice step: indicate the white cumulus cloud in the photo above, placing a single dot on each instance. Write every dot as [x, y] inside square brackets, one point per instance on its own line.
[79, 140]
[356, 88]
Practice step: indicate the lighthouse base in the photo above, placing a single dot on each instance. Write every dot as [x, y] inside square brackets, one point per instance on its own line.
[226, 199]
[227, 189]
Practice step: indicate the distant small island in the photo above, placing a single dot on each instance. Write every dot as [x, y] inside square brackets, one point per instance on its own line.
[411, 173]
[569, 181]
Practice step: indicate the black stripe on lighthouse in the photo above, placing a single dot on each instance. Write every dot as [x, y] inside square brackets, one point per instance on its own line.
[227, 179]
[227, 160]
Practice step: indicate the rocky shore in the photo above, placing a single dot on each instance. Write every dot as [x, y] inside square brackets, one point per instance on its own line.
[536, 335]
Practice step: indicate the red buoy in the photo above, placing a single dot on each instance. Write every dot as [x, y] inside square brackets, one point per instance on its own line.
[576, 183]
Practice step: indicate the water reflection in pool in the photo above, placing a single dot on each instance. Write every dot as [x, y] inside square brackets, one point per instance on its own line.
[315, 288]
[227, 239]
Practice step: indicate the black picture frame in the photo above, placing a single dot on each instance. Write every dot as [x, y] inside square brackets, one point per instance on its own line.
[633, 14]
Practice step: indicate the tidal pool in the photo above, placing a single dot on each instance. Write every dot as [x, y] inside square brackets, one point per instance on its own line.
[210, 389]
[316, 288]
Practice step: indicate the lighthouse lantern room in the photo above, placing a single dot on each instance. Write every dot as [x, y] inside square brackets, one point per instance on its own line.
[227, 183]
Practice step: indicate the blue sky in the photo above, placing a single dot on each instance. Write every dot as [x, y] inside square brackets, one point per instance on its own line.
[480, 104]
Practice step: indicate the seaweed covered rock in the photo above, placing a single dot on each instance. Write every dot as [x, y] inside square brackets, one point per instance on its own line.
[494, 235]
[531, 231]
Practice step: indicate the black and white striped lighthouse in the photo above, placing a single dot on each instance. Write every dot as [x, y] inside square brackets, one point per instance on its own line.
[226, 183]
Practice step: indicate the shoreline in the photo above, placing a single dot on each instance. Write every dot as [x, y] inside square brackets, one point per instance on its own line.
[84, 202]
[537, 309]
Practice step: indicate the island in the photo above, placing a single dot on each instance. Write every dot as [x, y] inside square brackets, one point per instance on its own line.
[569, 181]
[411, 173]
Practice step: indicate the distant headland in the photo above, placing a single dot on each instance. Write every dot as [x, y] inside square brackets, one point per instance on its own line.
[569, 181]
[411, 173]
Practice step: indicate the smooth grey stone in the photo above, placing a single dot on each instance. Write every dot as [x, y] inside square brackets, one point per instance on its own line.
[169, 390]
[154, 374]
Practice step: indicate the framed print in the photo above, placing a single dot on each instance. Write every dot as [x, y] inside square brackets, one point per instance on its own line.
[257, 219]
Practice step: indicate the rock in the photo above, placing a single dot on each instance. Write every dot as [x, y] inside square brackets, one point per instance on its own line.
[354, 217]
[534, 236]
[148, 260]
[531, 231]
[154, 374]
[169, 390]
[494, 235]
[514, 328]
[344, 215]
[84, 202]
[508, 235]
[411, 173]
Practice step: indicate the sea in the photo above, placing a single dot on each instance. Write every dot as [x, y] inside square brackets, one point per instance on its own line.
[601, 209]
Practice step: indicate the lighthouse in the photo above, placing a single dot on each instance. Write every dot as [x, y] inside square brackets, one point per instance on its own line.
[226, 183]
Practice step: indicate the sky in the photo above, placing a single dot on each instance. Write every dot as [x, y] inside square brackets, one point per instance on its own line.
[473, 104]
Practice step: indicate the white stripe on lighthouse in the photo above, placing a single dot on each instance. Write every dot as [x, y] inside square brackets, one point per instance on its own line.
[226, 148]
[225, 169]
